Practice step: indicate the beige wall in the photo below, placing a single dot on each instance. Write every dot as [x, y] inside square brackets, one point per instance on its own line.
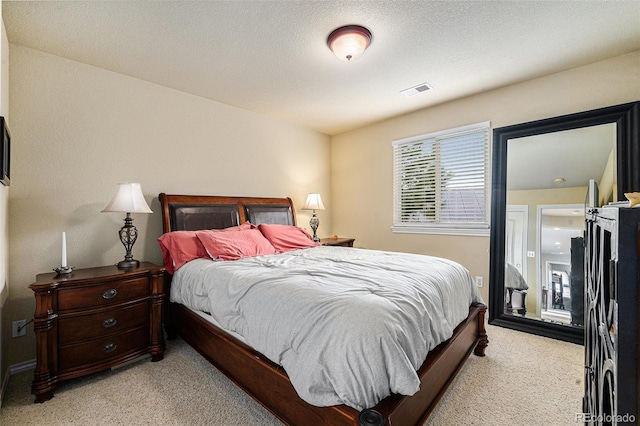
[79, 130]
[361, 160]
[5, 328]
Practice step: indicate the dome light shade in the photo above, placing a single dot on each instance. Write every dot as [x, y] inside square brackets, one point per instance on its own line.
[349, 42]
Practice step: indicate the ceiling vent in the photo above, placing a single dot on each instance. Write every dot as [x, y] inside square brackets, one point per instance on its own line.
[420, 88]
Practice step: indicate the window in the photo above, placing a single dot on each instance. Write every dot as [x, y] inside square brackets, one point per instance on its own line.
[441, 182]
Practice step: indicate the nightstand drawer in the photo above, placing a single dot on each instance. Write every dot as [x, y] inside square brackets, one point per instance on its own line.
[85, 327]
[108, 293]
[104, 349]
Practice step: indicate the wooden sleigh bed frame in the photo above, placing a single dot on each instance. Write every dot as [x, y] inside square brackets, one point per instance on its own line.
[267, 382]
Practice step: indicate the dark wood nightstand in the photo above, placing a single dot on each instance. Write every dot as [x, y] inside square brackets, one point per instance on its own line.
[344, 242]
[93, 319]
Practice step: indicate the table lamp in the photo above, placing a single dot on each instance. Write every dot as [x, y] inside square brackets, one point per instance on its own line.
[128, 199]
[314, 202]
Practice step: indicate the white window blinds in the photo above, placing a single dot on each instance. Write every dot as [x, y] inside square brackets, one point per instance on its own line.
[441, 181]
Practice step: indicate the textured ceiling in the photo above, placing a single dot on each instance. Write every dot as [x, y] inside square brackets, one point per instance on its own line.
[271, 57]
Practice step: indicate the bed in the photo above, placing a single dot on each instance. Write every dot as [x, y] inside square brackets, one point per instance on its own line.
[266, 381]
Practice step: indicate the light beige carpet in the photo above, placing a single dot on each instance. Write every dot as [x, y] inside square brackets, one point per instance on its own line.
[523, 380]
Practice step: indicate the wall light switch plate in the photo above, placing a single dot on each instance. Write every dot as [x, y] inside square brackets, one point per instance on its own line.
[531, 253]
[479, 281]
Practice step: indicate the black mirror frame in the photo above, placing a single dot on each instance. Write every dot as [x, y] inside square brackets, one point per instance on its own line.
[627, 119]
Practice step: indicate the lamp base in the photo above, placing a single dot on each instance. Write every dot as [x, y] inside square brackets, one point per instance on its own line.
[128, 264]
[314, 223]
[128, 236]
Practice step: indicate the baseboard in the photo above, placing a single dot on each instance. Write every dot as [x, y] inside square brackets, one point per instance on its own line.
[22, 366]
[3, 388]
[15, 369]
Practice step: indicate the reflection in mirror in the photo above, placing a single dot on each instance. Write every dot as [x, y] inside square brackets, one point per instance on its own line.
[560, 251]
[547, 182]
[544, 172]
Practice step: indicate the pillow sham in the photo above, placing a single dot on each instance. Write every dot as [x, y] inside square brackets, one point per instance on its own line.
[225, 245]
[286, 237]
[180, 247]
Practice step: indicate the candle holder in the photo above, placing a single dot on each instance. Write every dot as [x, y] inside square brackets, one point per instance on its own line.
[64, 270]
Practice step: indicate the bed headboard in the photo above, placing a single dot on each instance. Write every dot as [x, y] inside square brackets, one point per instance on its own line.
[194, 212]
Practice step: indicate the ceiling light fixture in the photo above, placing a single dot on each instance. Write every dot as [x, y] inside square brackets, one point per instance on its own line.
[349, 42]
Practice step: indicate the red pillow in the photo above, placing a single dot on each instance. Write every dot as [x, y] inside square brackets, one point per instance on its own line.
[225, 245]
[180, 247]
[286, 237]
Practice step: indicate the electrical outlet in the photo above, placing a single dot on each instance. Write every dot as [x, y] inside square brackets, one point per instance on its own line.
[479, 281]
[19, 328]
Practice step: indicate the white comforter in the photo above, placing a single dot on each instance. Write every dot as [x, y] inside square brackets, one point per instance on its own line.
[349, 326]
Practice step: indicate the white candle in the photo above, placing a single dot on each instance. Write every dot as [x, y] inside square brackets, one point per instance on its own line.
[64, 250]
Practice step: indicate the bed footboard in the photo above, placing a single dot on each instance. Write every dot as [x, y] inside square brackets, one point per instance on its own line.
[269, 385]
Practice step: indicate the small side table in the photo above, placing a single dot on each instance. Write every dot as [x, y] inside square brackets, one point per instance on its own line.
[344, 242]
[93, 319]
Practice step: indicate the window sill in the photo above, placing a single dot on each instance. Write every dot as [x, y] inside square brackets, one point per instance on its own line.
[480, 231]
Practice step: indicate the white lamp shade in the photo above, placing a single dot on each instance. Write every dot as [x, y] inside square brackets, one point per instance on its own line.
[314, 202]
[128, 199]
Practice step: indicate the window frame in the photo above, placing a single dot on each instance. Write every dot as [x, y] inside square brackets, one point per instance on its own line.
[437, 228]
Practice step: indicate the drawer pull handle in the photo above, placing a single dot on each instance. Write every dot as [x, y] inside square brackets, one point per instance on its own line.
[109, 322]
[109, 348]
[109, 294]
